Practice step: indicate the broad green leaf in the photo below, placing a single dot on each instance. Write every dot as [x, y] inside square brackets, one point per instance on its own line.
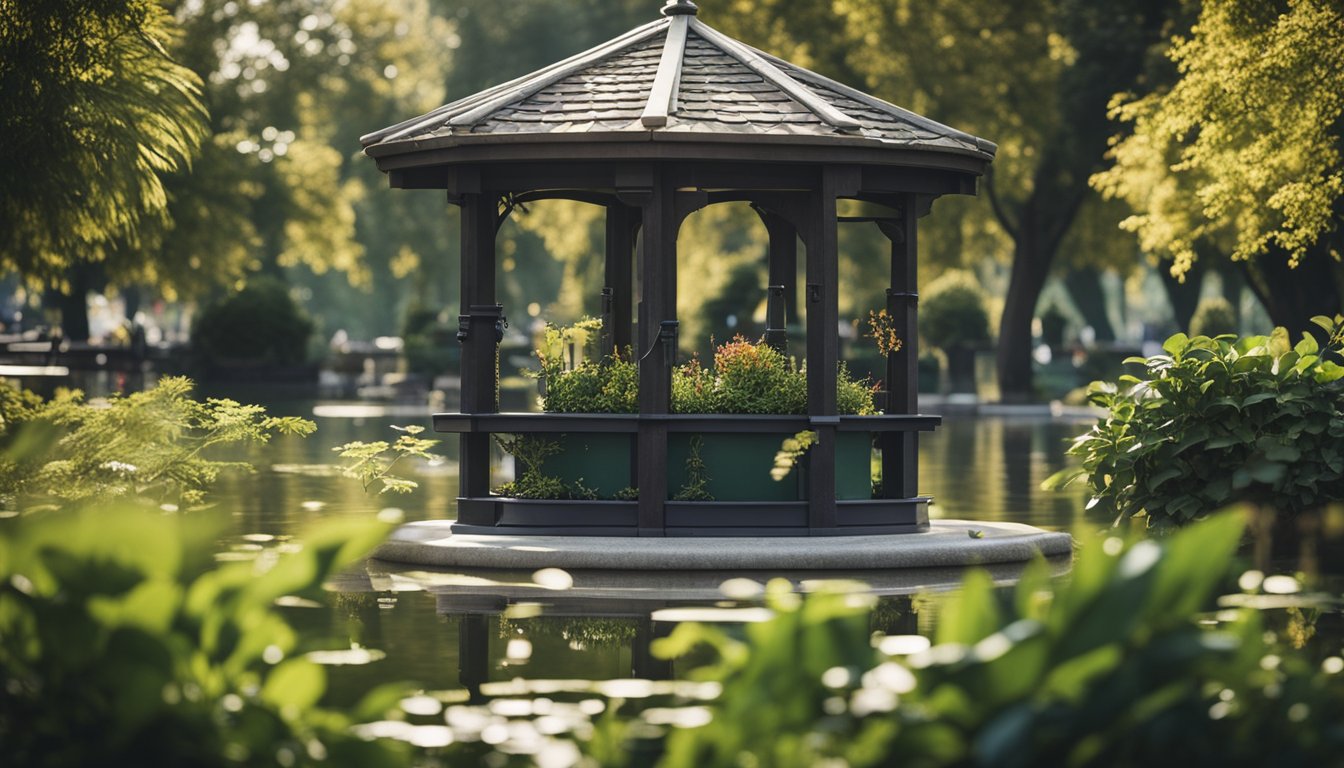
[296, 683]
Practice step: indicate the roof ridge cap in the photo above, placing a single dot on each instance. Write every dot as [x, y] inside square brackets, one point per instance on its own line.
[753, 60]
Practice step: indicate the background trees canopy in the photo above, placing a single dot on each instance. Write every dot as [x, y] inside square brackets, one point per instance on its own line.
[95, 114]
[275, 183]
[1240, 156]
[1034, 76]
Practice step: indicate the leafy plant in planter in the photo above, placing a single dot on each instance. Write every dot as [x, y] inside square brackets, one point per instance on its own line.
[753, 378]
[1217, 420]
[746, 378]
[577, 380]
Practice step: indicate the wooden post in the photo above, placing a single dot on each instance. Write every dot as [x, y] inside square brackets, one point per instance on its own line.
[479, 322]
[657, 348]
[900, 450]
[823, 349]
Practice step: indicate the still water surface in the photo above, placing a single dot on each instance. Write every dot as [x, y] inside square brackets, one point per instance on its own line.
[457, 632]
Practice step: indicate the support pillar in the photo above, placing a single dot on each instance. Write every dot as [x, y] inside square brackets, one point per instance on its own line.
[657, 348]
[900, 450]
[823, 348]
[480, 326]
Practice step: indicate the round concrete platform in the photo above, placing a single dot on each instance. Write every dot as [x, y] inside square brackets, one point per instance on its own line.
[946, 543]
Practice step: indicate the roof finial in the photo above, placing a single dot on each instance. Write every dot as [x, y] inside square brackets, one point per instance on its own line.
[680, 8]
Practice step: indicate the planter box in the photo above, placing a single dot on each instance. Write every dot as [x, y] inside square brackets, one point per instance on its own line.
[599, 461]
[737, 465]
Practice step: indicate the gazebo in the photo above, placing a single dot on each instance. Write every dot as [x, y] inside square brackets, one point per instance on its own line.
[654, 125]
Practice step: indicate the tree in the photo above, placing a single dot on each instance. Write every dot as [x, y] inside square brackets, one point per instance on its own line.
[1241, 155]
[1033, 76]
[291, 87]
[95, 114]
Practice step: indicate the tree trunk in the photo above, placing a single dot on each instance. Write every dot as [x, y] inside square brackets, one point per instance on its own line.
[1030, 267]
[74, 306]
[1292, 296]
[1085, 288]
[1183, 296]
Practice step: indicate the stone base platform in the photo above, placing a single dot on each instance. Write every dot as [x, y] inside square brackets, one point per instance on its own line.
[947, 543]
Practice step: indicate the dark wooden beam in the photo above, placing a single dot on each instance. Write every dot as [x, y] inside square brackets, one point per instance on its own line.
[900, 452]
[657, 346]
[822, 298]
[477, 331]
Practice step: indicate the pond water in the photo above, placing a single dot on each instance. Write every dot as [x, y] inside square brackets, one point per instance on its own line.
[473, 636]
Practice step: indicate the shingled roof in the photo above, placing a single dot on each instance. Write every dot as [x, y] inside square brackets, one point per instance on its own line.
[676, 77]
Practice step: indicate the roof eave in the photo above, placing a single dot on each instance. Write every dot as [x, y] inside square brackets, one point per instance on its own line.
[951, 157]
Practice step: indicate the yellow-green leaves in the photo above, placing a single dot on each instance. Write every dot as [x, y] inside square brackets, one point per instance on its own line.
[1244, 149]
[371, 462]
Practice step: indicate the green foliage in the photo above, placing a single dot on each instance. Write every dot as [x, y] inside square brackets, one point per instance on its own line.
[747, 377]
[115, 649]
[155, 444]
[1214, 317]
[372, 462]
[772, 710]
[589, 632]
[429, 346]
[697, 474]
[261, 324]
[609, 386]
[577, 380]
[1116, 666]
[1244, 149]
[952, 311]
[532, 482]
[95, 113]
[790, 451]
[854, 396]
[752, 377]
[1218, 420]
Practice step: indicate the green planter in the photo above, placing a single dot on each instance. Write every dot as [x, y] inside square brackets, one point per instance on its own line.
[600, 461]
[738, 467]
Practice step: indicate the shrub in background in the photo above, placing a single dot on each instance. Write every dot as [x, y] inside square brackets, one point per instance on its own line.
[952, 311]
[428, 343]
[1214, 316]
[1218, 420]
[259, 325]
[953, 318]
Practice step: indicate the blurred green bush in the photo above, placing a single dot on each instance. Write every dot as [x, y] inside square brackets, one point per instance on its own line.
[260, 325]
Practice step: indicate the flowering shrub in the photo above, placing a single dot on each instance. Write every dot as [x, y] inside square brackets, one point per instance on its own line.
[752, 377]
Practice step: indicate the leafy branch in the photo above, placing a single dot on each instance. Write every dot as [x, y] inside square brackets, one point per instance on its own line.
[149, 444]
[373, 461]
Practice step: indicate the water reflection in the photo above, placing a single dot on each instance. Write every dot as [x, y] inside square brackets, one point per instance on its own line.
[473, 640]
[513, 625]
